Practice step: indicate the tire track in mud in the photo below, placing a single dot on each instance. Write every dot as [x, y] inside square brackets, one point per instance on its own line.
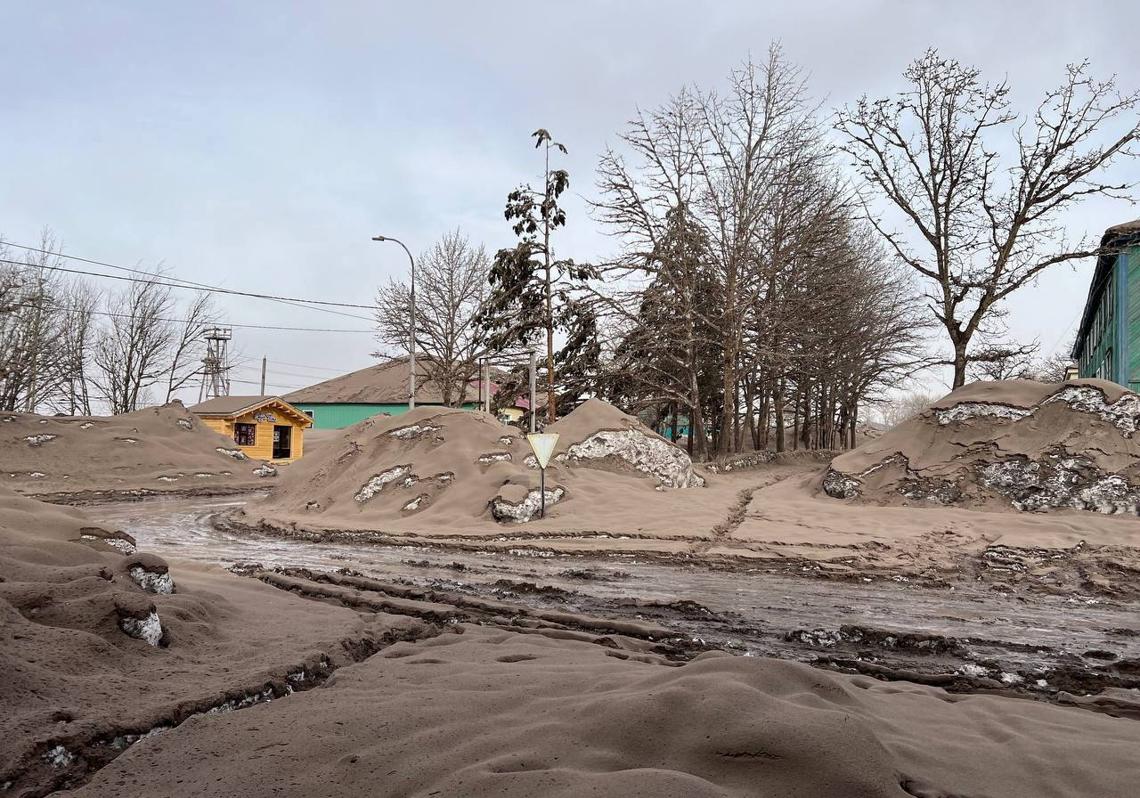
[675, 631]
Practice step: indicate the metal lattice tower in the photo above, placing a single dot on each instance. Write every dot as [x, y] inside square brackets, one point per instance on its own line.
[215, 365]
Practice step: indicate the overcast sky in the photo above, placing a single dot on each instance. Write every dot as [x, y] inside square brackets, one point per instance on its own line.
[260, 145]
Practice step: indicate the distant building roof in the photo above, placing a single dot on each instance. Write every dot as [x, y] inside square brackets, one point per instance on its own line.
[227, 406]
[384, 383]
[1104, 263]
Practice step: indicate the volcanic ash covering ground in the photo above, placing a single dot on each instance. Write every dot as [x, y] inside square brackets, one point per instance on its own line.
[158, 450]
[437, 467]
[1012, 444]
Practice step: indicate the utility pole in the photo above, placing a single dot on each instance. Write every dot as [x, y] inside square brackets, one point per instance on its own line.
[533, 369]
[263, 376]
[412, 328]
[487, 384]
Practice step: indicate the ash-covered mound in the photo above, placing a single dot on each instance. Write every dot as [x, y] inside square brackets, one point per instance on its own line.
[448, 467]
[158, 450]
[491, 712]
[102, 645]
[599, 435]
[1013, 443]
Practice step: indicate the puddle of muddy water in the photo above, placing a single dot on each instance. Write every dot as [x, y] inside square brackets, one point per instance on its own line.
[969, 628]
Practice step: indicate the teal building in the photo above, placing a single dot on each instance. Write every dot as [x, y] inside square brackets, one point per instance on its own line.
[1108, 339]
[375, 390]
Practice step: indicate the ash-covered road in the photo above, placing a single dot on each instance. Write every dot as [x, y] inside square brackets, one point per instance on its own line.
[966, 636]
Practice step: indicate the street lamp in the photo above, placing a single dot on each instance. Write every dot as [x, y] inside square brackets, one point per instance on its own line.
[412, 330]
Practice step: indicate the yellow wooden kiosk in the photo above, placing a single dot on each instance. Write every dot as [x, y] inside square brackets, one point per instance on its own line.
[264, 427]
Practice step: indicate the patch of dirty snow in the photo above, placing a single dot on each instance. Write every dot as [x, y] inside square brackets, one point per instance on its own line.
[152, 581]
[148, 629]
[967, 410]
[648, 454]
[494, 457]
[41, 439]
[120, 544]
[377, 483]
[840, 486]
[1124, 414]
[413, 431]
[59, 757]
[528, 508]
[415, 503]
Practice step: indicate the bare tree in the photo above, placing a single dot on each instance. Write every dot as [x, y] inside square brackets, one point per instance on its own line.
[905, 407]
[79, 305]
[754, 128]
[451, 289]
[661, 290]
[737, 239]
[132, 353]
[1004, 361]
[189, 343]
[30, 330]
[974, 231]
[1055, 367]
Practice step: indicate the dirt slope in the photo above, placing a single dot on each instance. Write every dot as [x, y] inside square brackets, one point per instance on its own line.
[158, 450]
[438, 468]
[1014, 444]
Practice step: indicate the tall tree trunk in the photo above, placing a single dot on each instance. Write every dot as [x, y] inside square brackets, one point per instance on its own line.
[959, 365]
[778, 402]
[728, 363]
[796, 418]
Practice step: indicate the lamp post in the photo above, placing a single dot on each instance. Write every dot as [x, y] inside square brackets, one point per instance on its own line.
[412, 329]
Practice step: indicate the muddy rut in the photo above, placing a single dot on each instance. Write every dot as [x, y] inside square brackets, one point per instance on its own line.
[971, 635]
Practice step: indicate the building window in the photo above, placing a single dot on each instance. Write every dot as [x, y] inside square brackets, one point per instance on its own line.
[311, 413]
[245, 434]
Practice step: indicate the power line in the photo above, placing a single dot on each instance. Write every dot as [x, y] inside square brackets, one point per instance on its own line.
[268, 384]
[256, 368]
[315, 368]
[176, 282]
[203, 286]
[184, 321]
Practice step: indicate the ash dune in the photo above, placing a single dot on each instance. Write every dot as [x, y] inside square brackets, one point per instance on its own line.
[494, 712]
[100, 644]
[1008, 445]
[158, 450]
[443, 469]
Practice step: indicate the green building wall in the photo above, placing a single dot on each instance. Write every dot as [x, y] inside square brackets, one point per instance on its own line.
[339, 416]
[1111, 349]
[1131, 318]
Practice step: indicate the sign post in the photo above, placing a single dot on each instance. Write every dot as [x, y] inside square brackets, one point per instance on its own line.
[543, 444]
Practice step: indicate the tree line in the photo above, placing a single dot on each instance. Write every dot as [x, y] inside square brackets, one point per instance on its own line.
[777, 269]
[68, 347]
